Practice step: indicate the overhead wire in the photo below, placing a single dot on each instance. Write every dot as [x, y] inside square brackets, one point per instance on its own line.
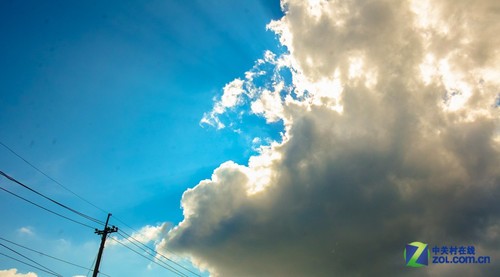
[81, 198]
[49, 256]
[31, 260]
[46, 209]
[52, 179]
[151, 253]
[50, 199]
[148, 258]
[41, 269]
[133, 229]
[91, 266]
[128, 237]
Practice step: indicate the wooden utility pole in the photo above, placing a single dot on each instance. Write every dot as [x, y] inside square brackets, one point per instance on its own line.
[104, 234]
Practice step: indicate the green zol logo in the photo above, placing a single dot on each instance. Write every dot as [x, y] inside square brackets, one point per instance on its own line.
[417, 254]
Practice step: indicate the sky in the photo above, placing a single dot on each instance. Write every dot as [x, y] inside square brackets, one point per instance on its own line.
[257, 138]
[107, 99]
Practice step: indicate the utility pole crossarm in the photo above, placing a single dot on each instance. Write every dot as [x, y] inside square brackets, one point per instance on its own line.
[104, 234]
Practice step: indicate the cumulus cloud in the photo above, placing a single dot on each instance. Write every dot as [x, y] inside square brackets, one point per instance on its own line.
[13, 273]
[391, 136]
[146, 234]
[231, 97]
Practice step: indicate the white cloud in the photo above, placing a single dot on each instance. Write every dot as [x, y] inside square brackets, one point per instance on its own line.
[150, 233]
[27, 230]
[391, 136]
[146, 234]
[269, 104]
[231, 97]
[232, 92]
[13, 273]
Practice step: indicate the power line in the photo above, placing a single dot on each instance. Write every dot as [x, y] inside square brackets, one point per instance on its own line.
[131, 228]
[53, 272]
[50, 211]
[90, 269]
[41, 269]
[47, 255]
[168, 250]
[153, 261]
[127, 236]
[153, 255]
[80, 197]
[54, 180]
[50, 199]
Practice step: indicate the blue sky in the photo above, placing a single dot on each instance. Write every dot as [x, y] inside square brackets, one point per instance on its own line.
[107, 97]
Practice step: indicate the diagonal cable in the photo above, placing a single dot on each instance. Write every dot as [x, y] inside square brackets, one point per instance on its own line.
[50, 211]
[48, 269]
[52, 179]
[50, 199]
[47, 255]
